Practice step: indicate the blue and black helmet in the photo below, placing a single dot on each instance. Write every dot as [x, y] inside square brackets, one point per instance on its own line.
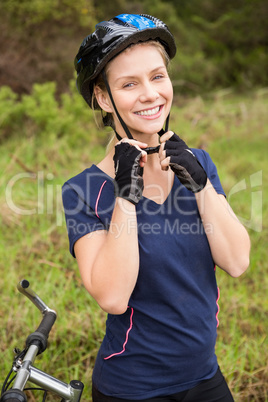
[112, 37]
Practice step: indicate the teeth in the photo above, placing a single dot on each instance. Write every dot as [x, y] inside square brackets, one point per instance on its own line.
[149, 112]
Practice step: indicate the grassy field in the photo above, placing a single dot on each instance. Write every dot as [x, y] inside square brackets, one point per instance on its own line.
[45, 141]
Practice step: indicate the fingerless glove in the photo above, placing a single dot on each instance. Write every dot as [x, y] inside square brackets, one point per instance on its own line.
[185, 164]
[128, 182]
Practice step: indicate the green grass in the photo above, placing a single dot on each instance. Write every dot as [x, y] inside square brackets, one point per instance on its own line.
[40, 151]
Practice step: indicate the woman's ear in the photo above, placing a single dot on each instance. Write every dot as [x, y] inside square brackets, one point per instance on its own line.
[103, 99]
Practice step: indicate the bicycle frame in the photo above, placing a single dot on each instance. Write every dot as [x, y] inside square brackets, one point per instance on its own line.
[36, 343]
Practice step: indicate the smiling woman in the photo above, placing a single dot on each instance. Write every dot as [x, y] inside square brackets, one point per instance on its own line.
[153, 223]
[143, 96]
[99, 84]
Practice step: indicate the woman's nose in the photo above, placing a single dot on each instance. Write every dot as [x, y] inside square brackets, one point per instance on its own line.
[148, 93]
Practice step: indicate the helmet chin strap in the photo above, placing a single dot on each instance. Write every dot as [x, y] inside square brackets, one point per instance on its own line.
[149, 150]
[163, 131]
[115, 109]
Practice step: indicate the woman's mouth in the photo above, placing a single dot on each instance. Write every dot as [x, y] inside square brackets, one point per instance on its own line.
[150, 112]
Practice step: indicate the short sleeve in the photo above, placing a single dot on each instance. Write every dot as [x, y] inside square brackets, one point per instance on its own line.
[80, 217]
[88, 201]
[210, 168]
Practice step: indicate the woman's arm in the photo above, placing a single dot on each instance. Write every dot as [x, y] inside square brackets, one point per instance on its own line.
[109, 261]
[228, 239]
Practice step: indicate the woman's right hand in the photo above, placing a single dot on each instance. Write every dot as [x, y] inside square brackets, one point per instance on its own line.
[129, 160]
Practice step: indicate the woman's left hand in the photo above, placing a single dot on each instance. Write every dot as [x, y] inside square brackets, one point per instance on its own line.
[174, 153]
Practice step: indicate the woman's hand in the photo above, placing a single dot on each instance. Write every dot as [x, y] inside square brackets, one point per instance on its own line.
[174, 153]
[129, 160]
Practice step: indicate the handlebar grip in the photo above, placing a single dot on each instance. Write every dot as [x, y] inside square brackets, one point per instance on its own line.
[47, 323]
[13, 395]
[40, 336]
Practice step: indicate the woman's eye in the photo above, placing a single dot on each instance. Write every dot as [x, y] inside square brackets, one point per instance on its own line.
[128, 85]
[158, 77]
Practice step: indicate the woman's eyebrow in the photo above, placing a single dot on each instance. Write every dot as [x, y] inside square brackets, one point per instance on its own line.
[130, 77]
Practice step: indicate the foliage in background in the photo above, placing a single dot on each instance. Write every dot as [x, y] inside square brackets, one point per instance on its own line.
[220, 43]
[26, 13]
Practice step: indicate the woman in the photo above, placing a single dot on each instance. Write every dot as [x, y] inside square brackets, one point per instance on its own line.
[148, 225]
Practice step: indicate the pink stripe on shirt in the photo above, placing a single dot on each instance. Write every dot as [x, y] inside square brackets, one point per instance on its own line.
[98, 198]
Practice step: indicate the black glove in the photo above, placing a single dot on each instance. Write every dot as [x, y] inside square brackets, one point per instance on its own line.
[128, 182]
[185, 165]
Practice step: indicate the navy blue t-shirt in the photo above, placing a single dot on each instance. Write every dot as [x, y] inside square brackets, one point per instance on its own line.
[165, 342]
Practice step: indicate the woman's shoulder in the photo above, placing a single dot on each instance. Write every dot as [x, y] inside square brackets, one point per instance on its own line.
[92, 174]
[87, 185]
[91, 187]
[204, 158]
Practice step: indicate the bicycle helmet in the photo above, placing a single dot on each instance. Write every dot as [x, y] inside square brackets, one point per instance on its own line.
[112, 37]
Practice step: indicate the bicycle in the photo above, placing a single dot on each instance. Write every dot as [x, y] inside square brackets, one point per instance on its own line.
[36, 343]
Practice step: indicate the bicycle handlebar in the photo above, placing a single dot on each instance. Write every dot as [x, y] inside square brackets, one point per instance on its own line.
[40, 336]
[36, 343]
[24, 288]
[14, 395]
[47, 323]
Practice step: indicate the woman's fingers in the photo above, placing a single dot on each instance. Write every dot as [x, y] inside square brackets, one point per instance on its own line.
[164, 160]
[165, 163]
[139, 145]
[166, 136]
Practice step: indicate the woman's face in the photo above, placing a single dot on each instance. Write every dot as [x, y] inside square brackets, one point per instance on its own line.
[141, 89]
